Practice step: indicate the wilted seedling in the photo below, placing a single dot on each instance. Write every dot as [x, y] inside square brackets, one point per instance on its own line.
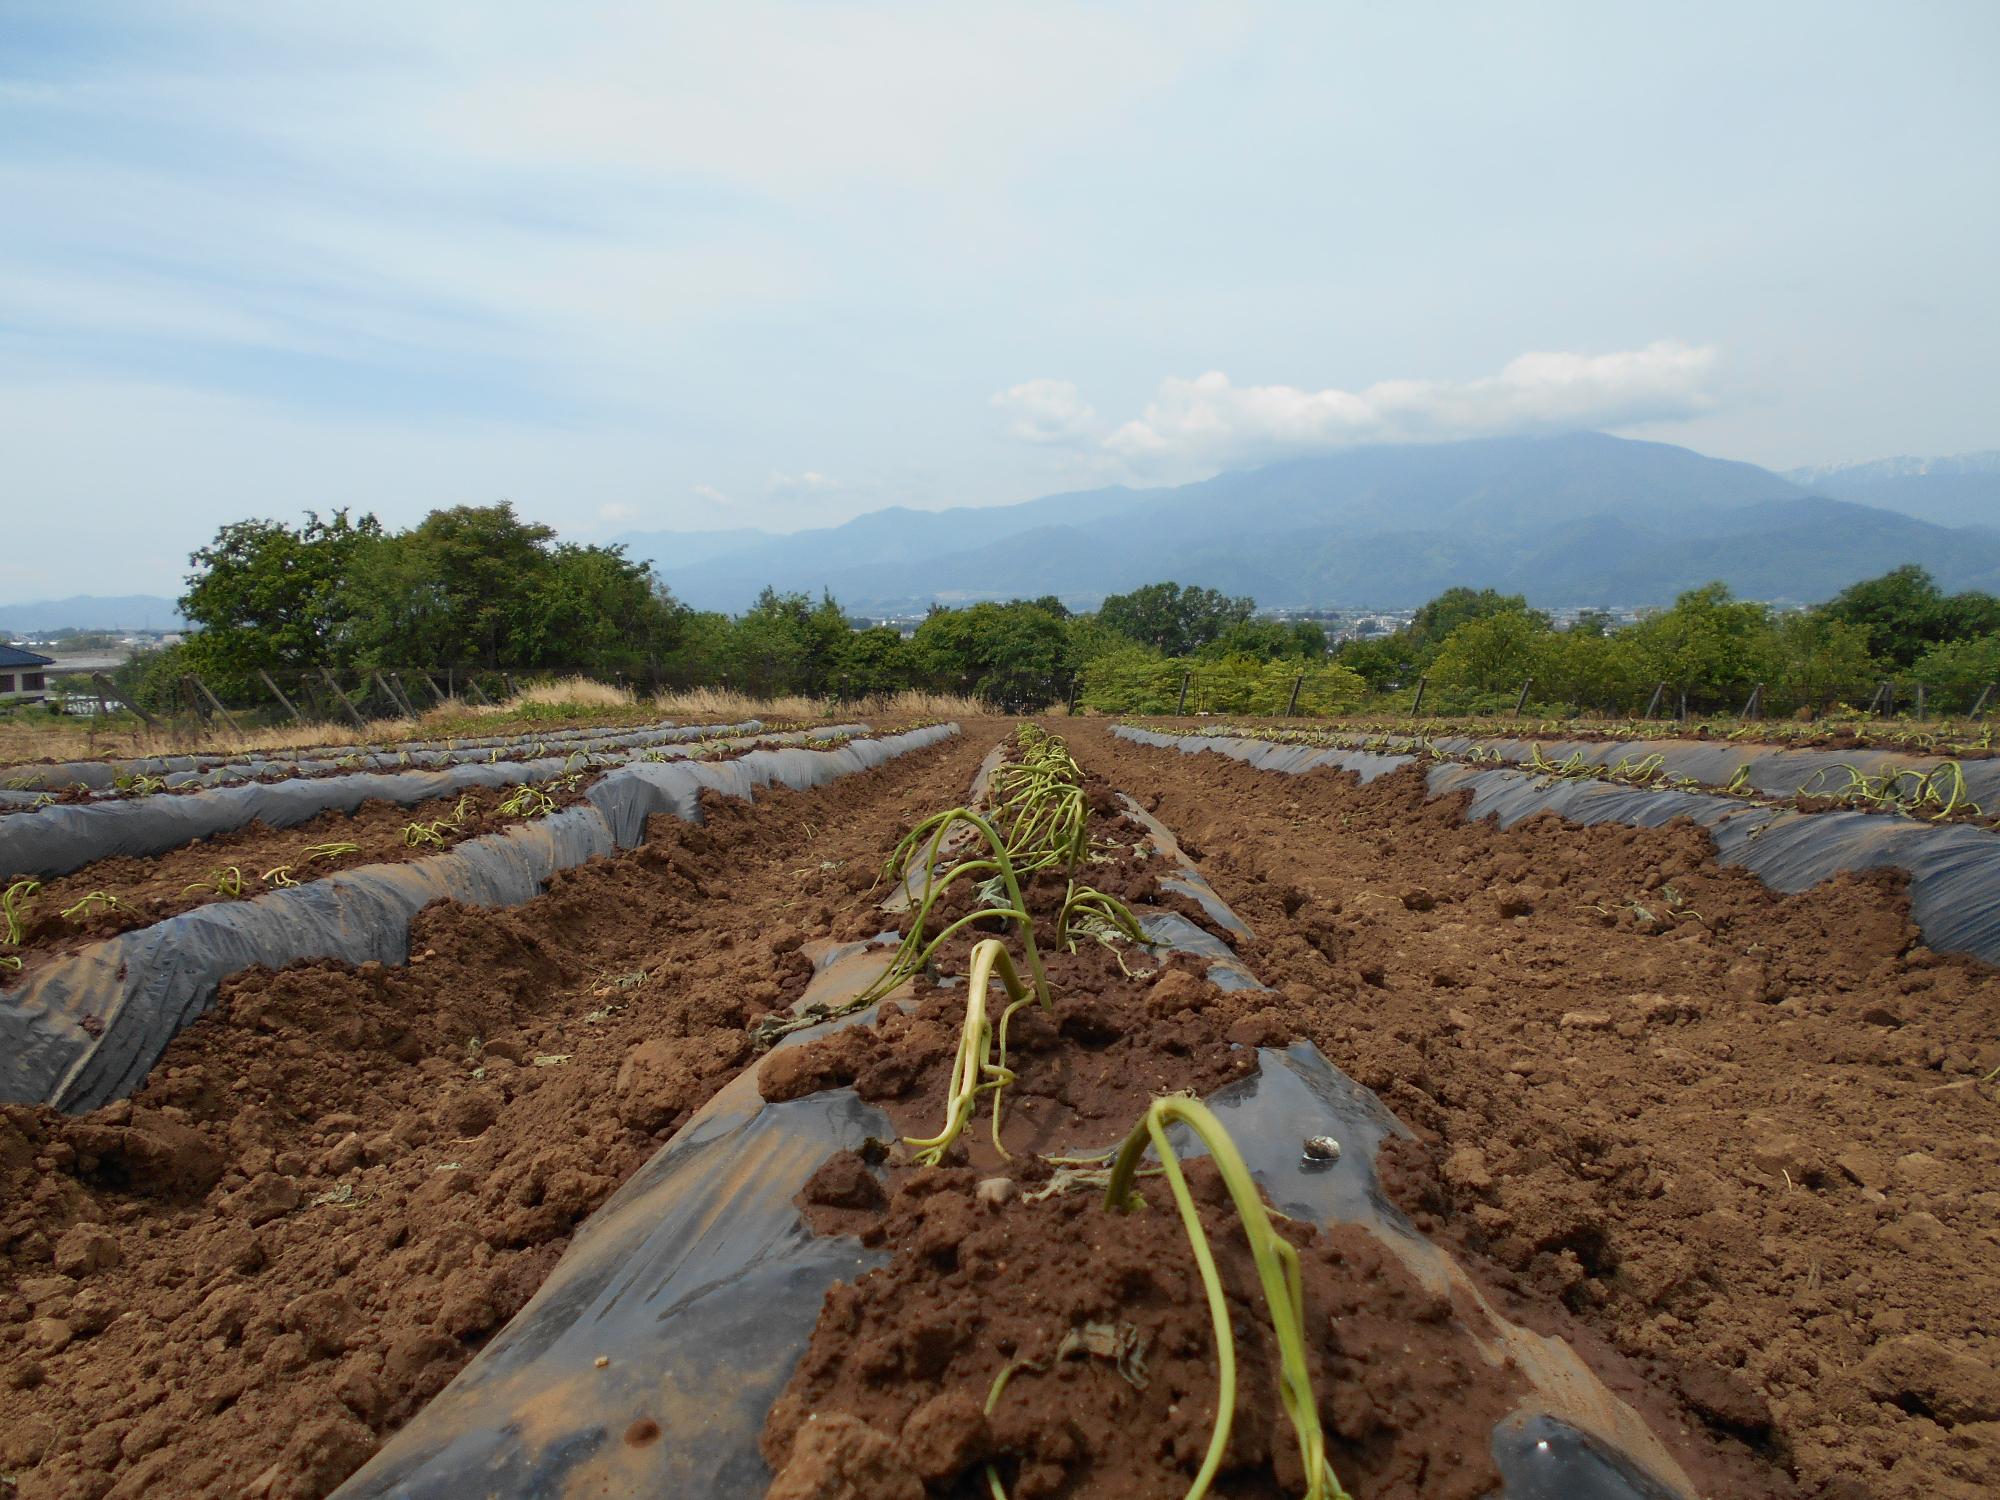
[333, 850]
[14, 901]
[224, 880]
[91, 905]
[279, 876]
[1277, 1270]
[527, 801]
[981, 1063]
[139, 784]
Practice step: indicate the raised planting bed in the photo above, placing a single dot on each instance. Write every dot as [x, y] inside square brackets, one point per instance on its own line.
[950, 1236]
[83, 1030]
[1953, 868]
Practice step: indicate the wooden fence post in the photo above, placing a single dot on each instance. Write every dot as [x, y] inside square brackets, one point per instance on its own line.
[1920, 700]
[395, 699]
[194, 681]
[1075, 687]
[1417, 707]
[431, 683]
[474, 690]
[1522, 701]
[1985, 694]
[1753, 706]
[106, 691]
[342, 699]
[1292, 706]
[279, 693]
[1186, 678]
[1653, 703]
[1882, 697]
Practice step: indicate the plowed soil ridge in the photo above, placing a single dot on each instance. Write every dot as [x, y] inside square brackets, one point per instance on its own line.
[336, 1185]
[1745, 1137]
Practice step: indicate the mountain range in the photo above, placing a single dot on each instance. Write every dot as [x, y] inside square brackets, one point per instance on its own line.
[1961, 491]
[1578, 519]
[92, 612]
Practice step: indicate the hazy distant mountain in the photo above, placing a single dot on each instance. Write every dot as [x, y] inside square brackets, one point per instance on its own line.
[689, 547]
[1578, 519]
[93, 612]
[1959, 491]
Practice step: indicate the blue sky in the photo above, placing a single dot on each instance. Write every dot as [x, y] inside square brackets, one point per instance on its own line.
[646, 266]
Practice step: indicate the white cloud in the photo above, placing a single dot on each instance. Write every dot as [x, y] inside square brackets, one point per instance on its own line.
[1048, 411]
[1208, 423]
[616, 511]
[808, 483]
[713, 496]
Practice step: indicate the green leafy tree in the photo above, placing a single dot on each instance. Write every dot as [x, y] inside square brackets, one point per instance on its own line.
[1435, 621]
[1959, 671]
[1491, 653]
[876, 660]
[1811, 658]
[1015, 655]
[1710, 646]
[785, 643]
[1173, 619]
[1270, 640]
[1904, 613]
[264, 595]
[1382, 661]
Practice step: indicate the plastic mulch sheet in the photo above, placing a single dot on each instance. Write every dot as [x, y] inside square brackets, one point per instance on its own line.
[647, 1363]
[1954, 868]
[84, 1031]
[52, 841]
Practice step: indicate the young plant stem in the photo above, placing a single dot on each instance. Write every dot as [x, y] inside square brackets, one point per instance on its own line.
[1277, 1270]
[978, 1066]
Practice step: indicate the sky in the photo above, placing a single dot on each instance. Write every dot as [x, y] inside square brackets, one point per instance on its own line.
[644, 266]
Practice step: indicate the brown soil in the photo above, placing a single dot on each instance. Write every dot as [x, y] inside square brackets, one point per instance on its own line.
[1342, 738]
[152, 888]
[340, 1182]
[1742, 1137]
[1944, 738]
[1741, 1161]
[1116, 1386]
[1117, 1037]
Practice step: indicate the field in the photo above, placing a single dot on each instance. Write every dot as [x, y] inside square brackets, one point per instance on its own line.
[743, 1119]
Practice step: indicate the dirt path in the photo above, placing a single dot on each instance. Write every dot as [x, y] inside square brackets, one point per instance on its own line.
[1741, 1136]
[340, 1182]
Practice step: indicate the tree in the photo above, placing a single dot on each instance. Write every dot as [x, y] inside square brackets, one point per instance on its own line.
[1436, 620]
[1270, 640]
[1016, 655]
[1812, 658]
[1491, 653]
[1902, 613]
[1382, 661]
[876, 660]
[1960, 670]
[1710, 645]
[1172, 619]
[266, 596]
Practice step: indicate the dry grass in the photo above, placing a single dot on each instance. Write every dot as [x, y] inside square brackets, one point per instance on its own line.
[26, 739]
[568, 692]
[29, 737]
[718, 704]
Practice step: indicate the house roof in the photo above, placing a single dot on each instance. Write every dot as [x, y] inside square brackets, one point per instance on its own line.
[14, 656]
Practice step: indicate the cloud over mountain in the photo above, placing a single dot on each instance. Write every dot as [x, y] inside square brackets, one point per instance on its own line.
[1209, 423]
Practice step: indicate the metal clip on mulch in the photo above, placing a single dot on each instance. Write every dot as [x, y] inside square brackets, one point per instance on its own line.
[647, 1363]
